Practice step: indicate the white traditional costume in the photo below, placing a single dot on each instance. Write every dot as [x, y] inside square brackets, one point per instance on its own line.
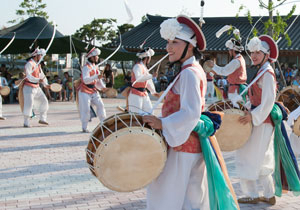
[255, 160]
[183, 182]
[32, 90]
[235, 70]
[88, 91]
[138, 98]
[295, 139]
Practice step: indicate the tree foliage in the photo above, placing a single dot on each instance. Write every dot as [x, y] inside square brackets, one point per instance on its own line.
[102, 30]
[30, 8]
[125, 27]
[275, 27]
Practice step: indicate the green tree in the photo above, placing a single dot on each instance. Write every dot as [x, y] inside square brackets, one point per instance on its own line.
[275, 27]
[102, 30]
[125, 27]
[30, 8]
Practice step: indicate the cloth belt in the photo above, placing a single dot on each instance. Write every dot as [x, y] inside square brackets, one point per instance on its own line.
[140, 89]
[32, 82]
[286, 174]
[90, 86]
[220, 196]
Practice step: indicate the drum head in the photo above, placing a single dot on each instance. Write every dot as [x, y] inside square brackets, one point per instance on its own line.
[125, 156]
[290, 97]
[232, 135]
[5, 90]
[206, 68]
[130, 162]
[111, 93]
[55, 87]
[296, 128]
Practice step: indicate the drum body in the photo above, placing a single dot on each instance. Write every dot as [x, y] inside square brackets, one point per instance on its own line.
[290, 97]
[21, 95]
[111, 93]
[296, 127]
[5, 90]
[232, 135]
[124, 154]
[55, 87]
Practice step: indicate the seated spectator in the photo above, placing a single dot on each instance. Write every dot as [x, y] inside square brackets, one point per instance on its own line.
[170, 74]
[288, 73]
[65, 88]
[108, 76]
[288, 80]
[296, 81]
[294, 70]
[69, 86]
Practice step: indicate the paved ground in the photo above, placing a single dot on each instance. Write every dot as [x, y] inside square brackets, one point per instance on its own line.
[44, 167]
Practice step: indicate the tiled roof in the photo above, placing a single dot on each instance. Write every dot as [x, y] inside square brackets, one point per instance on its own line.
[135, 37]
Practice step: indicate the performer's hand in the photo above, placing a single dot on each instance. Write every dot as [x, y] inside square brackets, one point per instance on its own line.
[156, 95]
[41, 80]
[153, 121]
[246, 119]
[0, 87]
[47, 86]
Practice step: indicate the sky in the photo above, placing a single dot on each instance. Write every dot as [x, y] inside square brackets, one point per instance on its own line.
[70, 15]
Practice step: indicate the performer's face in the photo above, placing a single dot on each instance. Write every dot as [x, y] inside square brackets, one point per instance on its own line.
[95, 58]
[258, 56]
[175, 49]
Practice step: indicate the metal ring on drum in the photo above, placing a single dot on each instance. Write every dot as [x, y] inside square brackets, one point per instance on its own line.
[125, 154]
[232, 135]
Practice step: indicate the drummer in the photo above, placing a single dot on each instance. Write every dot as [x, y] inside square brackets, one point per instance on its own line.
[255, 160]
[3, 83]
[138, 99]
[32, 90]
[183, 182]
[91, 82]
[235, 70]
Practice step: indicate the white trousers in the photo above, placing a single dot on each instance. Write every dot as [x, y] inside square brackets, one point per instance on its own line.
[139, 104]
[210, 90]
[182, 185]
[250, 187]
[85, 101]
[0, 106]
[255, 161]
[30, 96]
[295, 143]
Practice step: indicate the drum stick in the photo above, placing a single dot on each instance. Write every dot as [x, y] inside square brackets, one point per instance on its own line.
[239, 97]
[158, 62]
